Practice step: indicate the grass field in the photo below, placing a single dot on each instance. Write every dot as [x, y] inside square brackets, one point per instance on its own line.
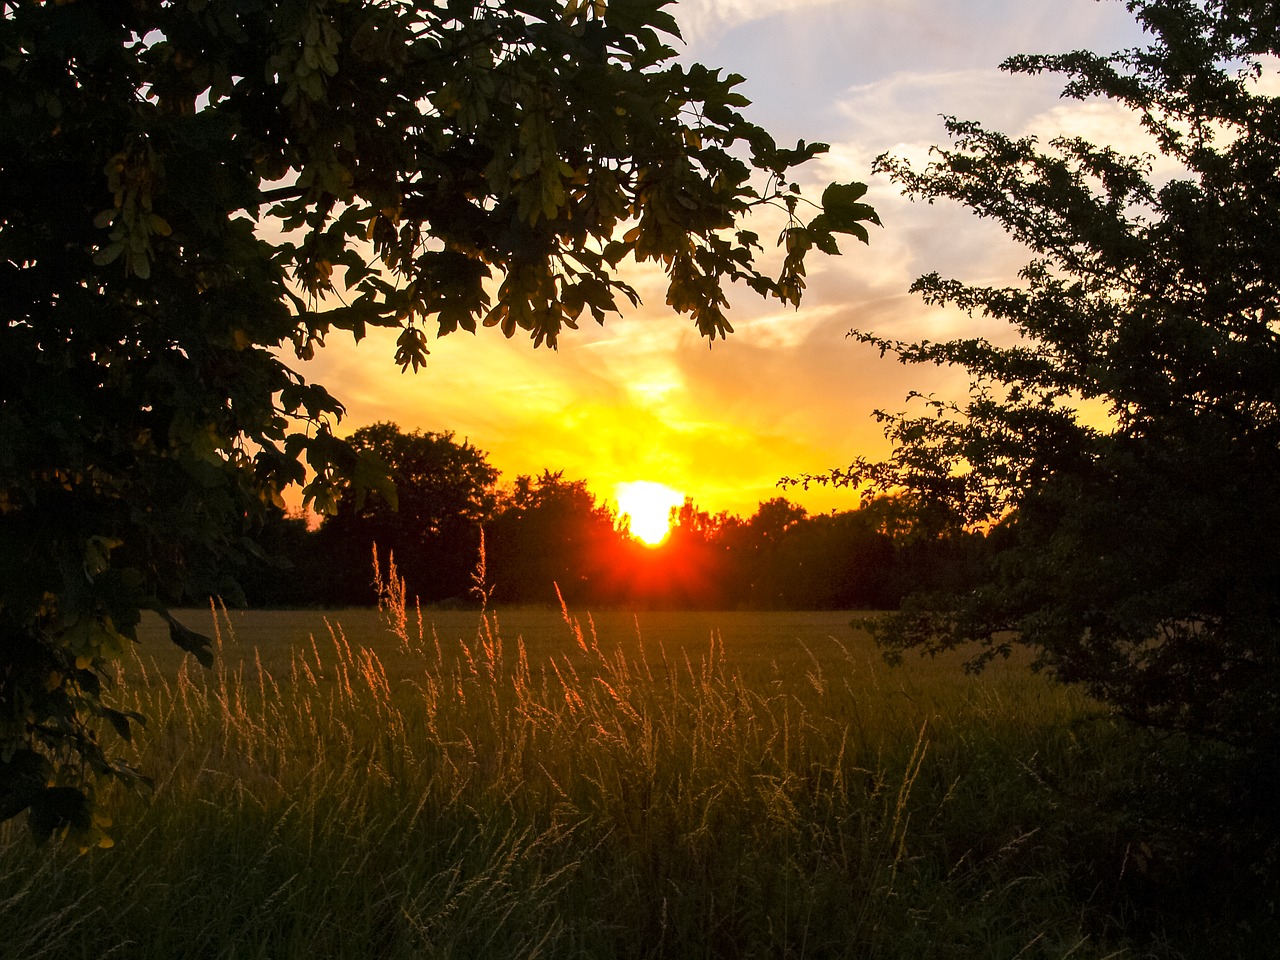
[631, 786]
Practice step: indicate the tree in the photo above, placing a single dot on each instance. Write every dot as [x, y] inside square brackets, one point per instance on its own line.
[290, 571]
[444, 493]
[688, 570]
[1139, 551]
[550, 534]
[757, 544]
[836, 561]
[190, 186]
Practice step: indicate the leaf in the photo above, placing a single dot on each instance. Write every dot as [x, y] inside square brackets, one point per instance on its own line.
[373, 473]
[108, 254]
[196, 644]
[843, 194]
[54, 808]
[859, 231]
[824, 241]
[411, 349]
[842, 212]
[22, 777]
[121, 722]
[97, 554]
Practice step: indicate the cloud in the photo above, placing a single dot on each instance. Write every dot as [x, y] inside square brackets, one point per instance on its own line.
[705, 21]
[1269, 83]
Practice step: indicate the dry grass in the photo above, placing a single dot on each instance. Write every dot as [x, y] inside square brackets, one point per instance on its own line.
[401, 792]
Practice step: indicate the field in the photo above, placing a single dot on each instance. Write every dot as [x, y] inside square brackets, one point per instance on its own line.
[532, 784]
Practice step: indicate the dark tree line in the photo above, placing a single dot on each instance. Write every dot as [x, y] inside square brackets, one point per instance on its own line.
[547, 532]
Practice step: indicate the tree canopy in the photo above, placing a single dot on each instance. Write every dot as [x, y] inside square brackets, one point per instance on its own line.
[1140, 546]
[191, 188]
[444, 492]
[549, 535]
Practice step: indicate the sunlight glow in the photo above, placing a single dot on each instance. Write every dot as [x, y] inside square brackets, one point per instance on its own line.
[648, 506]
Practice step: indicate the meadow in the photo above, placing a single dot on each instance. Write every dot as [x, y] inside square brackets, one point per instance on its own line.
[532, 783]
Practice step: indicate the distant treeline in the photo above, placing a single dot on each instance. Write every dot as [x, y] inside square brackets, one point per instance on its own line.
[540, 533]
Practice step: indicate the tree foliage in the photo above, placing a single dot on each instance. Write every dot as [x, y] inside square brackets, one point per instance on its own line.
[549, 535]
[189, 187]
[1140, 546]
[444, 491]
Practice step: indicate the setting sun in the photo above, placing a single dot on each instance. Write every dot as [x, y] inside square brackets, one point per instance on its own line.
[648, 505]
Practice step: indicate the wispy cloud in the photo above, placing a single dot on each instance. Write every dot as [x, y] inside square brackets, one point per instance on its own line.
[705, 21]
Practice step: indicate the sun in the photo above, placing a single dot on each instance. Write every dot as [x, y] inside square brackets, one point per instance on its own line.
[648, 505]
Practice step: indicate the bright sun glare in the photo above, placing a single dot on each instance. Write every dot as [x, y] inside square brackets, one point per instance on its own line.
[648, 504]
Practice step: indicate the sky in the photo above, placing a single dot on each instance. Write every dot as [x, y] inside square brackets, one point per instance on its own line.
[645, 398]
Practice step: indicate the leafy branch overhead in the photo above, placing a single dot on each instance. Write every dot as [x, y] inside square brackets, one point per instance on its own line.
[191, 186]
[434, 152]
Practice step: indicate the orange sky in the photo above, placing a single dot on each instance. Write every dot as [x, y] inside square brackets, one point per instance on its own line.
[644, 398]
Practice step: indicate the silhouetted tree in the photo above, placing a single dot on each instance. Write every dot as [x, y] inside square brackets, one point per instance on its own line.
[1140, 547]
[837, 561]
[758, 546]
[285, 568]
[550, 532]
[445, 491]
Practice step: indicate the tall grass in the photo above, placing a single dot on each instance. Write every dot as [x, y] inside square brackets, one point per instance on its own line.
[406, 795]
